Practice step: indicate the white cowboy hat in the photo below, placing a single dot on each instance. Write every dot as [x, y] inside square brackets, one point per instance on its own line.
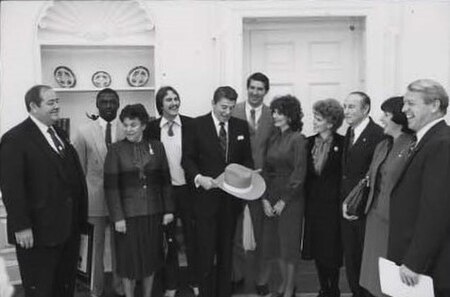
[241, 182]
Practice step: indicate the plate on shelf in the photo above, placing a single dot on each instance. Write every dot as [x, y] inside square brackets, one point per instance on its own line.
[101, 79]
[64, 77]
[138, 76]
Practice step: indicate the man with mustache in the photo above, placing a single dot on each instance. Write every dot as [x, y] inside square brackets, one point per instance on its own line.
[92, 142]
[170, 129]
[45, 196]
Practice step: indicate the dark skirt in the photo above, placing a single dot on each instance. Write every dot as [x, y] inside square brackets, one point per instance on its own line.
[139, 252]
[282, 234]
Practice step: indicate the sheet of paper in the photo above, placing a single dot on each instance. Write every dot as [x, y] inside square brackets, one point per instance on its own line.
[392, 285]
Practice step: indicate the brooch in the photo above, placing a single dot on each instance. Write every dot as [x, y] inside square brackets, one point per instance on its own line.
[336, 149]
[150, 150]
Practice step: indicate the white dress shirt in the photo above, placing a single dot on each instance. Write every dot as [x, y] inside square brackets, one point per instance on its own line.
[44, 130]
[360, 128]
[103, 124]
[173, 147]
[258, 112]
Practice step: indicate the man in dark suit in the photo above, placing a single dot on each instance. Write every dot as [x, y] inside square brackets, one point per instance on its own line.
[359, 144]
[45, 196]
[215, 140]
[259, 119]
[419, 237]
[170, 129]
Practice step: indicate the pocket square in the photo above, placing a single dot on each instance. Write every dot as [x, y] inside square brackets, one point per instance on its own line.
[240, 137]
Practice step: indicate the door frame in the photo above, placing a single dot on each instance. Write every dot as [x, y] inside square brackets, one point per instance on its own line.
[380, 73]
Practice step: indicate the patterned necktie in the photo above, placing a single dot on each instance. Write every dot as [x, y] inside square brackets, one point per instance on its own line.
[58, 144]
[108, 138]
[223, 139]
[253, 118]
[170, 130]
[412, 145]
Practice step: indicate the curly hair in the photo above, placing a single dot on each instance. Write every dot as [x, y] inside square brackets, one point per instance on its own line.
[331, 110]
[290, 107]
[134, 111]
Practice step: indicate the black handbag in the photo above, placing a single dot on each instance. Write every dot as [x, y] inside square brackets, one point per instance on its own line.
[356, 200]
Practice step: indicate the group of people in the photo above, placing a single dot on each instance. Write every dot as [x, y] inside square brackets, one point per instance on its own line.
[138, 177]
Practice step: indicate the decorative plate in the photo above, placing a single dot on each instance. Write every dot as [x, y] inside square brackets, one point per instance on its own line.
[64, 77]
[138, 76]
[101, 79]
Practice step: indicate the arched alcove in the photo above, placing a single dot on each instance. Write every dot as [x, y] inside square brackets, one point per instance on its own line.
[98, 44]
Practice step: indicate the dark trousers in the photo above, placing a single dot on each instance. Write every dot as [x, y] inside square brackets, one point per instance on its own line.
[328, 279]
[353, 243]
[183, 198]
[49, 271]
[215, 240]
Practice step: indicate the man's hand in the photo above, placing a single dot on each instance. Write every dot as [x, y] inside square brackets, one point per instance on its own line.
[279, 207]
[268, 210]
[121, 226]
[206, 182]
[346, 215]
[167, 218]
[25, 239]
[408, 277]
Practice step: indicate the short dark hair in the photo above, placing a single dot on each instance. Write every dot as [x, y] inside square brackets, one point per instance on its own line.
[259, 77]
[134, 111]
[104, 92]
[162, 92]
[394, 106]
[33, 95]
[289, 106]
[225, 92]
[331, 110]
[365, 99]
[432, 90]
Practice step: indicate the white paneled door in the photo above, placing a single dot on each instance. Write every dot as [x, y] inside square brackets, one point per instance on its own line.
[311, 58]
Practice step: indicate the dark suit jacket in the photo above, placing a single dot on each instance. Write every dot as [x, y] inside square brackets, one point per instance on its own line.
[420, 209]
[356, 160]
[202, 155]
[153, 130]
[36, 187]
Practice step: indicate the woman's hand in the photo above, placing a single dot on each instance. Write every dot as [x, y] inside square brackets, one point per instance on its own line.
[268, 210]
[278, 207]
[167, 219]
[120, 226]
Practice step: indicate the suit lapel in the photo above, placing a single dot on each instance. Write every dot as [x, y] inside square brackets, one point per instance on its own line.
[97, 138]
[39, 139]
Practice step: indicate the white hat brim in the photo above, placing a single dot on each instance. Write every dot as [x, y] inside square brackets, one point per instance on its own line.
[256, 191]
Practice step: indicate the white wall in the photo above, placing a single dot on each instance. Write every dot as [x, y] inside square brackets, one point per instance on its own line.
[199, 46]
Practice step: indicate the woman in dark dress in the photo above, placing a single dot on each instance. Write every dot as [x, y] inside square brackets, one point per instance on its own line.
[322, 240]
[284, 171]
[388, 162]
[138, 194]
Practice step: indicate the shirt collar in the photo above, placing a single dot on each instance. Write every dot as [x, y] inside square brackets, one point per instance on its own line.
[248, 107]
[103, 123]
[360, 127]
[43, 127]
[217, 122]
[422, 131]
[176, 120]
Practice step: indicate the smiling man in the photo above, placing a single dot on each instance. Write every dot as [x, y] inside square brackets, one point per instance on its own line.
[259, 119]
[214, 141]
[92, 142]
[170, 129]
[45, 196]
[359, 144]
[419, 237]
